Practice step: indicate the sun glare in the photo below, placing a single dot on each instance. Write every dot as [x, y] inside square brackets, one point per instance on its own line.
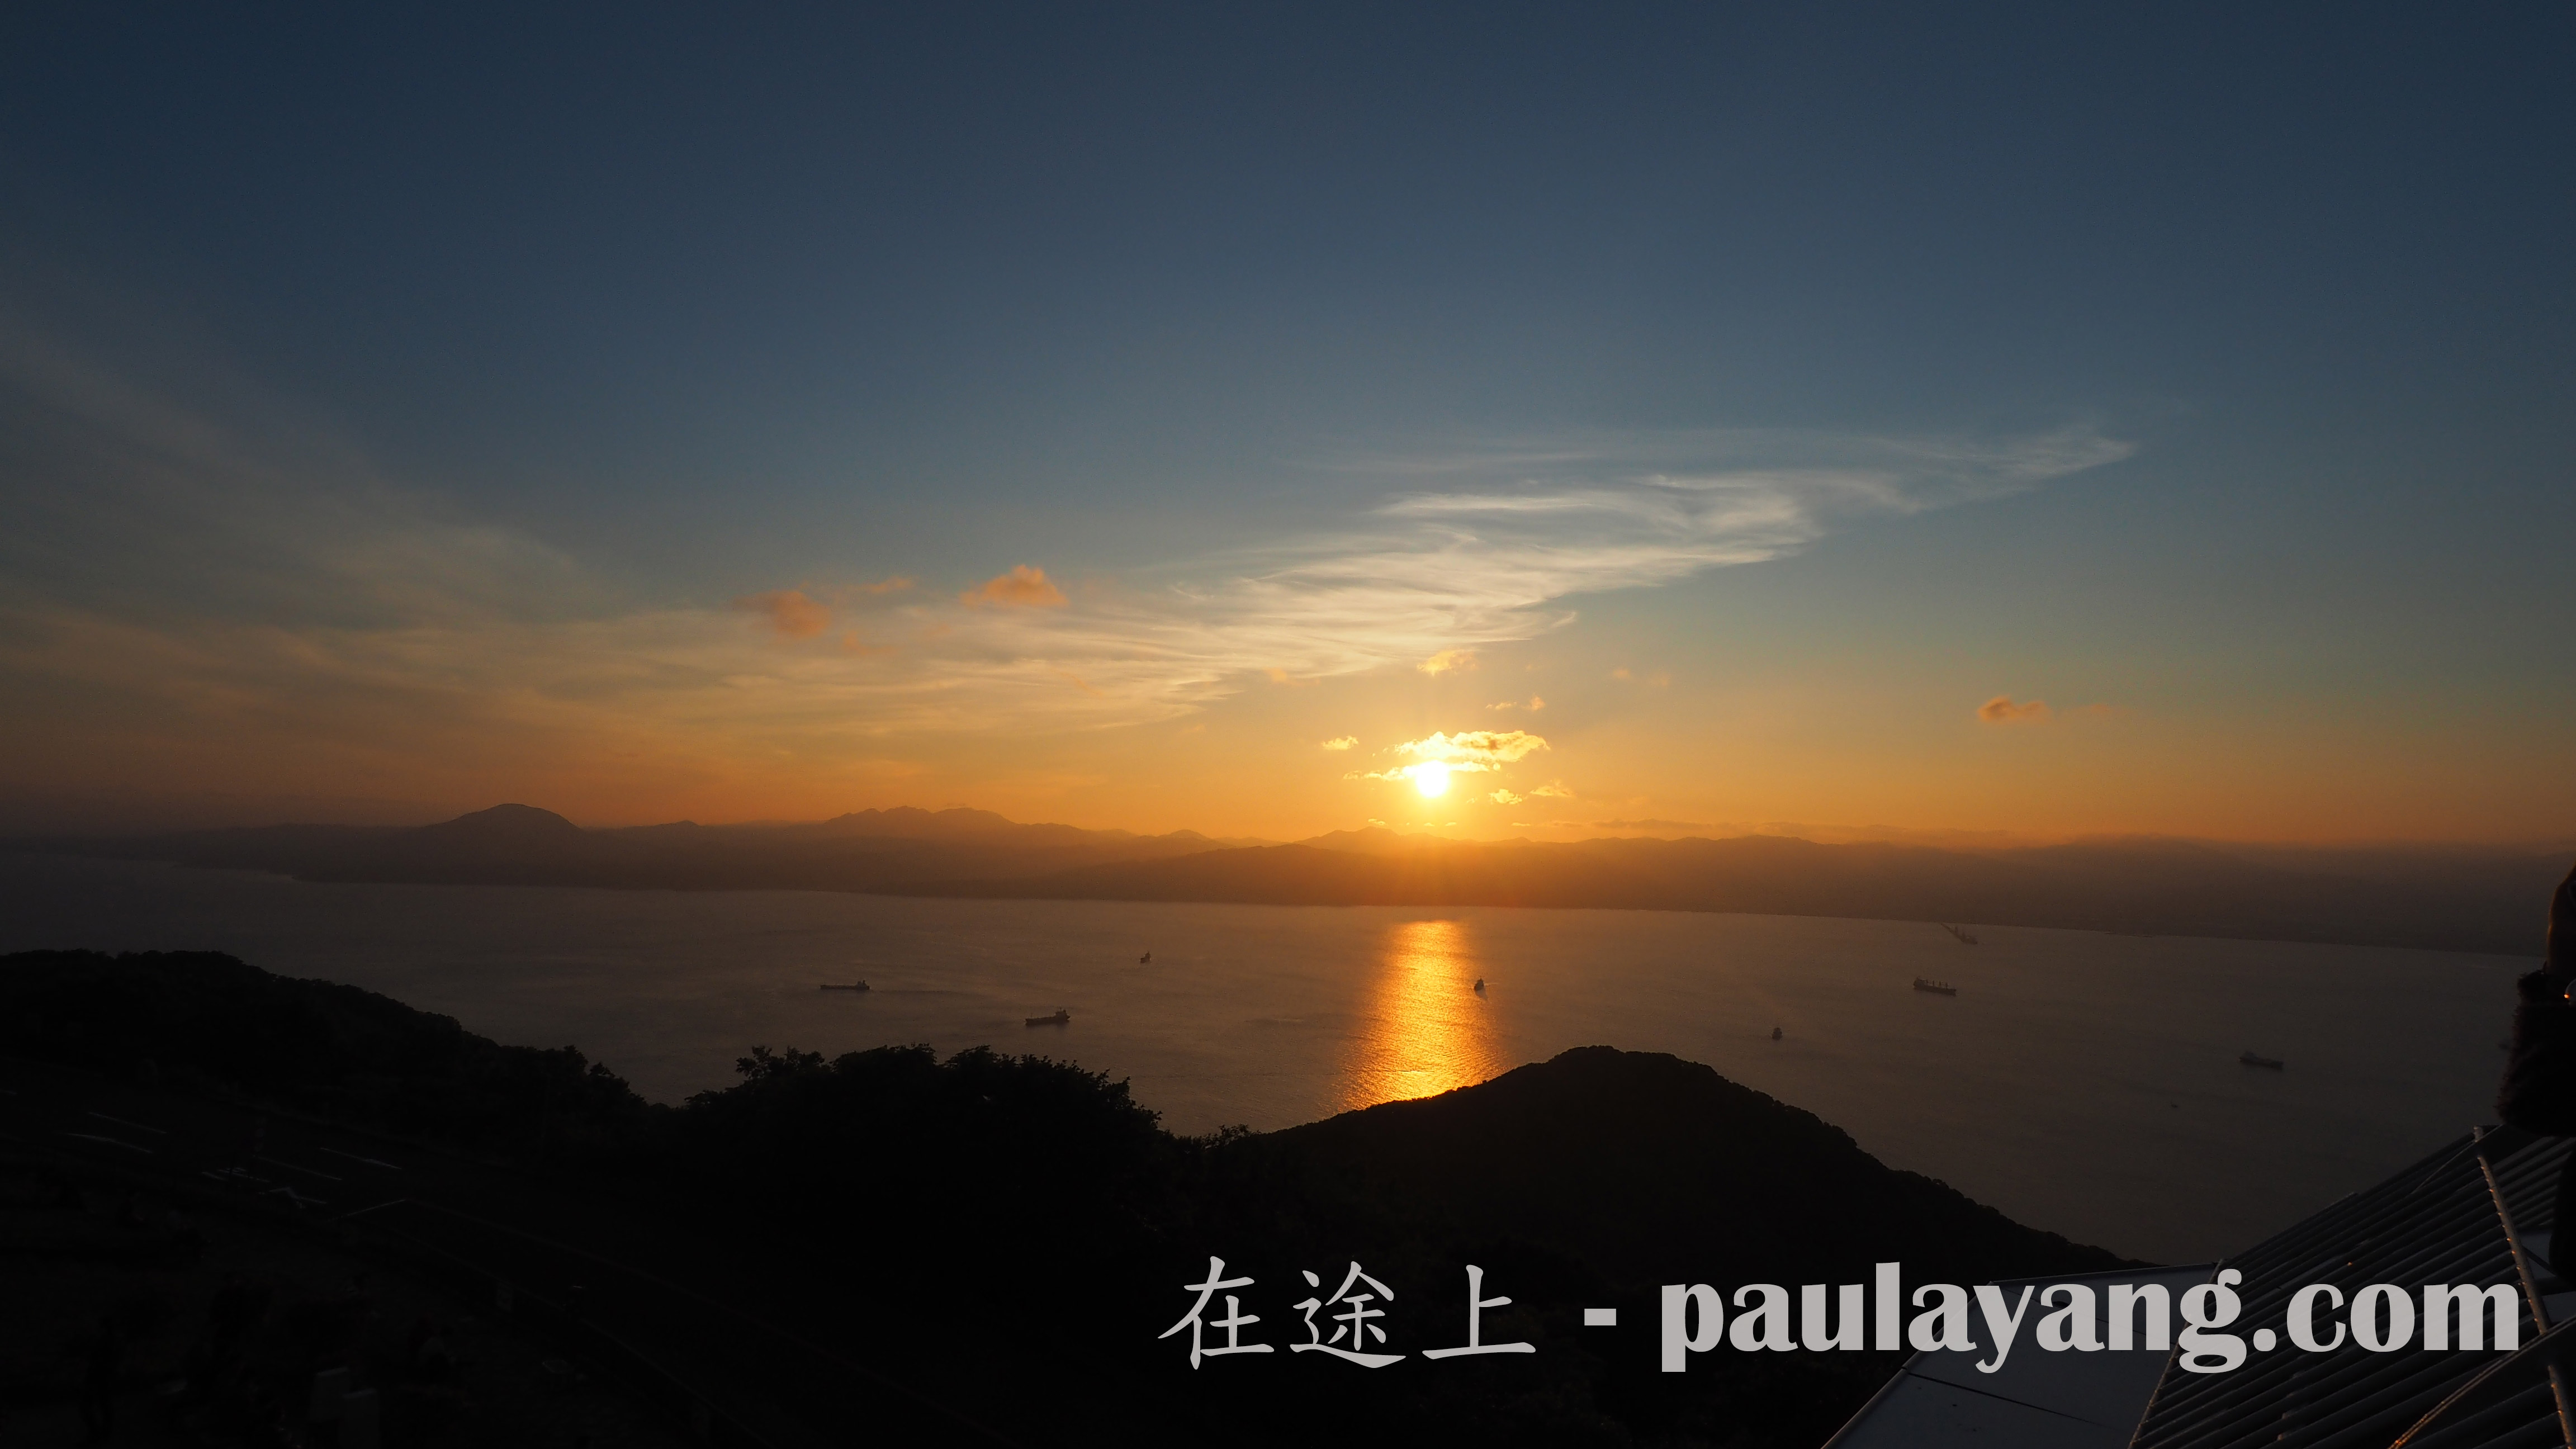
[1431, 778]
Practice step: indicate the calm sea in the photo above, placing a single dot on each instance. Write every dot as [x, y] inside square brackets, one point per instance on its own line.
[2084, 1083]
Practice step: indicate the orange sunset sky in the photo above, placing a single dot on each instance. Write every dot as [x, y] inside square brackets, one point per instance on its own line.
[1716, 426]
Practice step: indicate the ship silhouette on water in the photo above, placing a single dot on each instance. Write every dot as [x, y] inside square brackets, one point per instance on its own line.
[1937, 988]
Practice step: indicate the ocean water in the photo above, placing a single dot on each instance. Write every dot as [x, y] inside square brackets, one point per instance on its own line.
[2084, 1083]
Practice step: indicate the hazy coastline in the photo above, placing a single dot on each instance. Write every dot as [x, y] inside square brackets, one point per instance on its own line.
[2458, 899]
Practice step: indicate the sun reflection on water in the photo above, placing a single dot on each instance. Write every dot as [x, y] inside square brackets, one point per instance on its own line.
[1424, 1030]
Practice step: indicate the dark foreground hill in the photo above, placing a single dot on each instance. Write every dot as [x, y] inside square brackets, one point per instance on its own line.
[1012, 1233]
[1655, 1168]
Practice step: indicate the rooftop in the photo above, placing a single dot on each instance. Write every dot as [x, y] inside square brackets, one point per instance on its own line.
[2479, 1212]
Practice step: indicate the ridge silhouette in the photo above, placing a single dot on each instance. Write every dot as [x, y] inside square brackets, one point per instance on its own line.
[1010, 1232]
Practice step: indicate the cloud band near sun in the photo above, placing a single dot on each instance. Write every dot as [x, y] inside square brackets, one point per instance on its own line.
[1439, 755]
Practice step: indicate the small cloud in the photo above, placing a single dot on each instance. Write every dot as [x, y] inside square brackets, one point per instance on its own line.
[1536, 704]
[2002, 710]
[852, 644]
[1533, 705]
[1380, 824]
[1506, 704]
[1282, 676]
[1075, 680]
[1621, 673]
[1022, 588]
[1474, 749]
[1504, 797]
[1449, 661]
[895, 585]
[789, 612]
[1553, 790]
[1341, 742]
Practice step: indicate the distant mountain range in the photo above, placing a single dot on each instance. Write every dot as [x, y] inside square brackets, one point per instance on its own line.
[2457, 899]
[869, 850]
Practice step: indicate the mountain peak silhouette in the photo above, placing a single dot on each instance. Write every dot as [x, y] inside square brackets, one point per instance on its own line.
[507, 823]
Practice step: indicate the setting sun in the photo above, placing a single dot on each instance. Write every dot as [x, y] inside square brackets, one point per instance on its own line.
[1043, 500]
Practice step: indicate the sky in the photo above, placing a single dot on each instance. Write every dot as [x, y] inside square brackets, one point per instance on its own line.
[2015, 423]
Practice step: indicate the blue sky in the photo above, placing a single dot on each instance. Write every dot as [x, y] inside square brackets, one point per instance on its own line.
[369, 368]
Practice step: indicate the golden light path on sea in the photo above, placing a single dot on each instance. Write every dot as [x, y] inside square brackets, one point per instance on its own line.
[1423, 1030]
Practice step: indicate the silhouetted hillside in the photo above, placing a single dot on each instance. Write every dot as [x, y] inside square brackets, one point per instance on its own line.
[1645, 1166]
[1012, 1233]
[1586, 1181]
[204, 1019]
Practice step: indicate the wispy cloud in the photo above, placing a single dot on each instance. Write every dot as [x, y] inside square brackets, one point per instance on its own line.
[1341, 742]
[1500, 553]
[2003, 710]
[207, 566]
